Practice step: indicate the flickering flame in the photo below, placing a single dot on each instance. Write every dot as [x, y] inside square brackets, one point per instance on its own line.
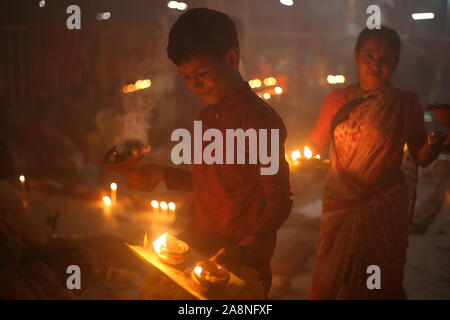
[172, 206]
[114, 186]
[107, 201]
[143, 84]
[270, 81]
[267, 96]
[154, 204]
[307, 152]
[296, 155]
[198, 270]
[318, 156]
[256, 83]
[163, 205]
[160, 243]
[22, 178]
[278, 90]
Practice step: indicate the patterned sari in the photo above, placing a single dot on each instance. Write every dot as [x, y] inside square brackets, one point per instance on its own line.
[367, 202]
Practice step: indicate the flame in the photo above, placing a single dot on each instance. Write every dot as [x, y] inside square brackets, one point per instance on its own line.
[163, 205]
[114, 186]
[107, 201]
[296, 155]
[22, 178]
[270, 81]
[278, 90]
[318, 156]
[198, 270]
[307, 152]
[172, 206]
[267, 96]
[160, 243]
[154, 204]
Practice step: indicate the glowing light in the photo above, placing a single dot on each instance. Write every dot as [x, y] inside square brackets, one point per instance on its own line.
[22, 178]
[331, 79]
[113, 186]
[271, 81]
[256, 83]
[145, 244]
[307, 152]
[339, 78]
[182, 6]
[154, 204]
[172, 206]
[163, 205]
[103, 16]
[278, 90]
[172, 4]
[296, 155]
[318, 156]
[423, 16]
[107, 201]
[198, 270]
[267, 96]
[160, 243]
[288, 3]
[42, 3]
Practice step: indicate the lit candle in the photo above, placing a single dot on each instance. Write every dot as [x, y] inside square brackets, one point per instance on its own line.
[154, 204]
[22, 182]
[113, 194]
[106, 204]
[172, 206]
[163, 205]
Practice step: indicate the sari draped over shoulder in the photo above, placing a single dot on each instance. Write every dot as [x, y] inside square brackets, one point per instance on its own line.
[367, 202]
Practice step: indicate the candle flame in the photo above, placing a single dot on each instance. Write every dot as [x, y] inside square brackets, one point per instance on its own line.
[107, 201]
[154, 204]
[172, 206]
[22, 178]
[160, 243]
[114, 186]
[307, 152]
[163, 205]
[296, 155]
[198, 270]
[318, 156]
[278, 90]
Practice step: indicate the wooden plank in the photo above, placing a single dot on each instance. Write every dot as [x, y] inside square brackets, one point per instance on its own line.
[177, 274]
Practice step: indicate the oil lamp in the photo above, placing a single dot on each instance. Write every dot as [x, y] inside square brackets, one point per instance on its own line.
[171, 250]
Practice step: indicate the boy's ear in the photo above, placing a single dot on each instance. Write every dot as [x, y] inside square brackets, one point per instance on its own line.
[232, 58]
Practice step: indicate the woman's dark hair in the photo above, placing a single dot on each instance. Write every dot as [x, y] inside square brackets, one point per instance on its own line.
[388, 34]
[201, 31]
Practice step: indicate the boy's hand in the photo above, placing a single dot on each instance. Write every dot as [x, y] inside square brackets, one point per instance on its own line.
[230, 257]
[146, 177]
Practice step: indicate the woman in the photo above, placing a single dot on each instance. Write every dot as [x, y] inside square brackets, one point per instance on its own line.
[367, 204]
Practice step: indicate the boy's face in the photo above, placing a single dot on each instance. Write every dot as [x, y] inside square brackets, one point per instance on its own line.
[210, 78]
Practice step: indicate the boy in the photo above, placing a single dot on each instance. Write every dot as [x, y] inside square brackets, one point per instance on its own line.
[236, 210]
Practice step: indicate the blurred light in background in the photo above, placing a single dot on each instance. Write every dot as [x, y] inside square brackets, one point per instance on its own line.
[154, 204]
[172, 206]
[103, 16]
[177, 5]
[256, 83]
[42, 3]
[138, 85]
[287, 2]
[337, 79]
[267, 96]
[163, 205]
[423, 16]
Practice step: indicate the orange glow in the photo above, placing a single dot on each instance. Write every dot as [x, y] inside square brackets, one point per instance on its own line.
[307, 152]
[271, 81]
[267, 96]
[113, 186]
[146, 242]
[160, 243]
[154, 204]
[172, 206]
[198, 270]
[22, 178]
[163, 205]
[318, 156]
[296, 155]
[107, 201]
[278, 90]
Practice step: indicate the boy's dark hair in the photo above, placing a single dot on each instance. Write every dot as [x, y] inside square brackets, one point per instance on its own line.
[388, 34]
[201, 31]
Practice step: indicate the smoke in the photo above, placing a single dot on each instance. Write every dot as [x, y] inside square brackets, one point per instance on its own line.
[138, 106]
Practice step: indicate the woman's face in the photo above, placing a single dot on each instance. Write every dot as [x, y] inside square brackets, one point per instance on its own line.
[376, 63]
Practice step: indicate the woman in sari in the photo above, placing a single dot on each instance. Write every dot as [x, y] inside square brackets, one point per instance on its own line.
[367, 203]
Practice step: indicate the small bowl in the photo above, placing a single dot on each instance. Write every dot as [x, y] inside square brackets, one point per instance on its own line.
[176, 254]
[213, 276]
